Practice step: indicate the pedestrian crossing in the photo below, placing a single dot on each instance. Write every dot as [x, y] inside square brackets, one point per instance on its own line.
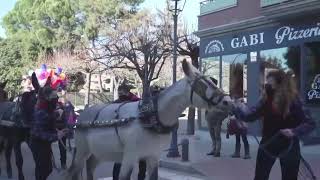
[168, 175]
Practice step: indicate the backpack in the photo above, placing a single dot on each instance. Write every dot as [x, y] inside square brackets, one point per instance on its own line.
[235, 126]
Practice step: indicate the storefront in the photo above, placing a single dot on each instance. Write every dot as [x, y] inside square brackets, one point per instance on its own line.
[241, 59]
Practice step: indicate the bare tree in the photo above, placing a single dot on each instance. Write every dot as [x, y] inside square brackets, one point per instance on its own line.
[121, 75]
[90, 58]
[208, 66]
[140, 44]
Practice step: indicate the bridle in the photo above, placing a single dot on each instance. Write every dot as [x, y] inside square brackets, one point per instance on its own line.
[198, 87]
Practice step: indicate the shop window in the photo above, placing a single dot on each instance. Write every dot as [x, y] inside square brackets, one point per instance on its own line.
[234, 75]
[287, 58]
[312, 72]
[210, 67]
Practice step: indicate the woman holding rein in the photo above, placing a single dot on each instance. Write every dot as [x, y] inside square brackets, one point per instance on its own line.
[282, 112]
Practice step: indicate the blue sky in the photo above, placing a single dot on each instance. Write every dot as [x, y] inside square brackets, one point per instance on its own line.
[6, 5]
[189, 14]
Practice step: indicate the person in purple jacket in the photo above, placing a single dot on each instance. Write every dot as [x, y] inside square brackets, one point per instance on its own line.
[284, 120]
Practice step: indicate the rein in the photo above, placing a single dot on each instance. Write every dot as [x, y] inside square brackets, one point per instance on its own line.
[283, 153]
[69, 150]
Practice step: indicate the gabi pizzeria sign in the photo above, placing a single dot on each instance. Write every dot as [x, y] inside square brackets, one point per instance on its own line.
[313, 95]
[269, 38]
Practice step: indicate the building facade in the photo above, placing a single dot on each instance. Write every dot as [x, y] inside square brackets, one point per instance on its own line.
[100, 83]
[241, 40]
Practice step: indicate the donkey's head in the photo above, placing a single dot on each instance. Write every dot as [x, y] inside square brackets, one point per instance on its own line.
[46, 94]
[204, 92]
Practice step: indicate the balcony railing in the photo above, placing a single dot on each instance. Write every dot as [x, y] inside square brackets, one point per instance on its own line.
[265, 3]
[209, 6]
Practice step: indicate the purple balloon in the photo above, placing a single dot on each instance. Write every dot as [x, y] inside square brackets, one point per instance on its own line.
[43, 67]
[59, 70]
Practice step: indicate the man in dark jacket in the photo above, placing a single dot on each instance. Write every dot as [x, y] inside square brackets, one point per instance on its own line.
[126, 96]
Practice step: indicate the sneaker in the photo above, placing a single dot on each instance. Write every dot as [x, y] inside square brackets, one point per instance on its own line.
[247, 156]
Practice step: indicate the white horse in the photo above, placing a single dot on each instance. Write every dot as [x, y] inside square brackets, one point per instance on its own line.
[130, 143]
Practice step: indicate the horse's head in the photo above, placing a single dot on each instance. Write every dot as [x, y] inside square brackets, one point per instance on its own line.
[204, 92]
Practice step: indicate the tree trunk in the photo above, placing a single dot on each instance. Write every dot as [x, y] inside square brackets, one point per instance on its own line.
[137, 85]
[146, 89]
[87, 97]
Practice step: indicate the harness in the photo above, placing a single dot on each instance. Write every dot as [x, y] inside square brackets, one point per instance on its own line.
[200, 88]
[149, 116]
[271, 141]
[148, 110]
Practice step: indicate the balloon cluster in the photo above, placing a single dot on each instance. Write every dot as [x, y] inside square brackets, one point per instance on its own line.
[58, 78]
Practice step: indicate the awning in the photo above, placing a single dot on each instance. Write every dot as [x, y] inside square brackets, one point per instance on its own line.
[265, 38]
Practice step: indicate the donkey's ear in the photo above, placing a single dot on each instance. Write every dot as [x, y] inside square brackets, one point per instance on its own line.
[48, 82]
[34, 81]
[188, 69]
[214, 80]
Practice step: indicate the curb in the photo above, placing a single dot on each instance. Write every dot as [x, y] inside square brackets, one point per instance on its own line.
[179, 166]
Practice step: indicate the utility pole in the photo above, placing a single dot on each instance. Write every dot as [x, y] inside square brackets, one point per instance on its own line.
[174, 151]
[175, 39]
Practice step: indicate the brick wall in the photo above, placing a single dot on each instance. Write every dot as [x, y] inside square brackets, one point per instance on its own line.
[246, 9]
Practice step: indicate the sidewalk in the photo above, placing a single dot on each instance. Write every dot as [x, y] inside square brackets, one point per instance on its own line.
[224, 167]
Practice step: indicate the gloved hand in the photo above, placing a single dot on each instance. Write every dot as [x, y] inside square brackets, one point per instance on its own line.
[238, 113]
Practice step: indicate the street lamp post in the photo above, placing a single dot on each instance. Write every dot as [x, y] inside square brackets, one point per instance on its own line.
[173, 151]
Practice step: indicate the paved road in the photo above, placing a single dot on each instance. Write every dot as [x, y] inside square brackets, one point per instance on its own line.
[103, 172]
[28, 167]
